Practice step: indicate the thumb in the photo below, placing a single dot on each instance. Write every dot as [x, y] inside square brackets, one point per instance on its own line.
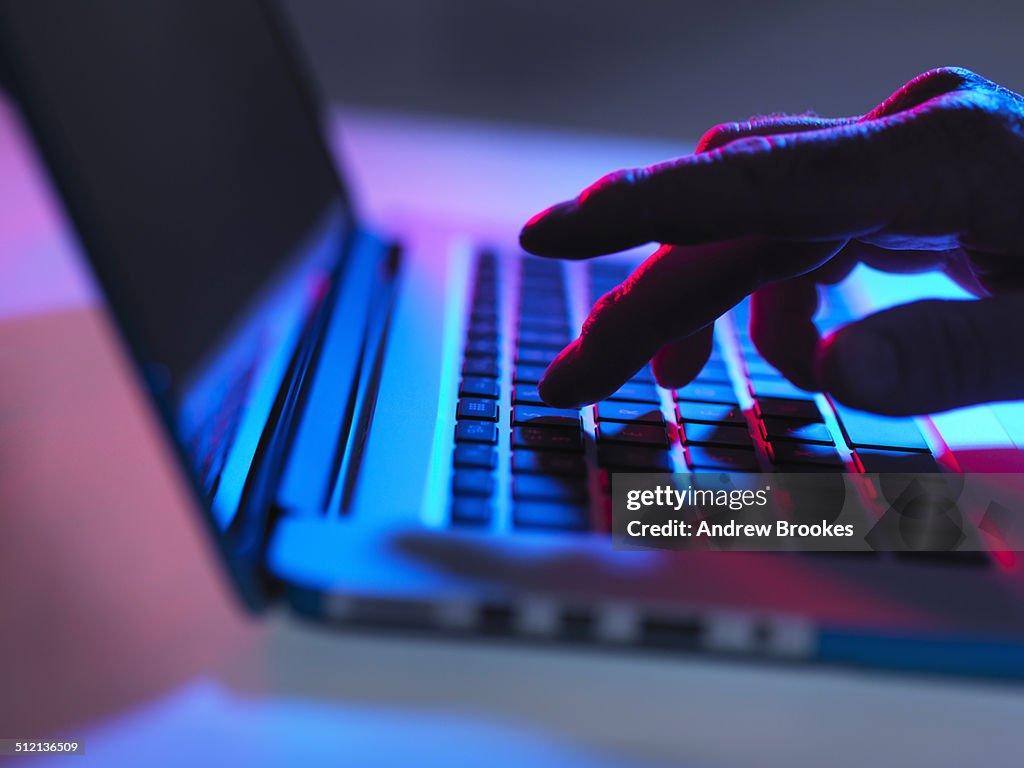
[928, 356]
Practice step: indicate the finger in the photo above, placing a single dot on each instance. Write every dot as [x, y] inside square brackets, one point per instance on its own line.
[782, 314]
[678, 362]
[832, 183]
[725, 133]
[550, 232]
[673, 294]
[926, 86]
[783, 330]
[928, 356]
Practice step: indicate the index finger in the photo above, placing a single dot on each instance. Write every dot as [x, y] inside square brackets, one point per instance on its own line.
[675, 293]
[832, 183]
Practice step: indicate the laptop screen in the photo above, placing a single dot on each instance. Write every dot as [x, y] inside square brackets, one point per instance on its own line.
[188, 149]
[190, 159]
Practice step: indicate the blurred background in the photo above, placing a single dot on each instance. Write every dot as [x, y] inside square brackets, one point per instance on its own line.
[658, 68]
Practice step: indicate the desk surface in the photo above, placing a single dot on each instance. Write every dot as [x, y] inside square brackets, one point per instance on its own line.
[109, 590]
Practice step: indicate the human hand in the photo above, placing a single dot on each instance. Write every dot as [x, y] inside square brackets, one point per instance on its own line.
[931, 178]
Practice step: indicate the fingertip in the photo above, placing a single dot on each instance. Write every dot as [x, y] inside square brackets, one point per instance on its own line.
[860, 368]
[559, 385]
[679, 362]
[670, 379]
[672, 372]
[556, 396]
[544, 233]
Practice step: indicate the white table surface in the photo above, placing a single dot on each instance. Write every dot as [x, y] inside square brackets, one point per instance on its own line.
[118, 626]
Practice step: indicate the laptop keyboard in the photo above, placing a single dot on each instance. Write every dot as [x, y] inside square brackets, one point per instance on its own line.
[739, 414]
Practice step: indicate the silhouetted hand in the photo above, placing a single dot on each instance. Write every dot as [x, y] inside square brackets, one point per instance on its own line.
[931, 178]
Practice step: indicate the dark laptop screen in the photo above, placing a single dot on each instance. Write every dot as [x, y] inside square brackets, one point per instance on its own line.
[187, 152]
[190, 159]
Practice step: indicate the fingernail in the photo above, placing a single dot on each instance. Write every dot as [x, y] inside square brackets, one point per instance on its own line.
[862, 369]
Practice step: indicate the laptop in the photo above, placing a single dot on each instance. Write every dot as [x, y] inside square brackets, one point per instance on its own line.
[359, 416]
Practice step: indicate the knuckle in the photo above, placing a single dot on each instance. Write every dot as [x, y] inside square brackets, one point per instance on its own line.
[948, 78]
[929, 85]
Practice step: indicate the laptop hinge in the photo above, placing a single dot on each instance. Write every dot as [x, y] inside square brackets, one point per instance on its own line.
[366, 323]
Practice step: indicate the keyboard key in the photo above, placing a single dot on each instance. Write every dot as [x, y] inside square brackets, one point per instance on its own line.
[626, 411]
[866, 430]
[485, 303]
[541, 415]
[707, 393]
[535, 266]
[542, 340]
[550, 516]
[710, 413]
[547, 438]
[715, 434]
[636, 392]
[805, 453]
[747, 345]
[717, 457]
[478, 386]
[633, 457]
[532, 284]
[472, 482]
[896, 461]
[760, 369]
[714, 373]
[542, 323]
[483, 312]
[646, 434]
[546, 295]
[526, 394]
[476, 432]
[790, 408]
[530, 374]
[548, 488]
[483, 332]
[476, 455]
[548, 463]
[472, 511]
[774, 428]
[776, 388]
[543, 304]
[482, 348]
[531, 356]
[480, 366]
[477, 408]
